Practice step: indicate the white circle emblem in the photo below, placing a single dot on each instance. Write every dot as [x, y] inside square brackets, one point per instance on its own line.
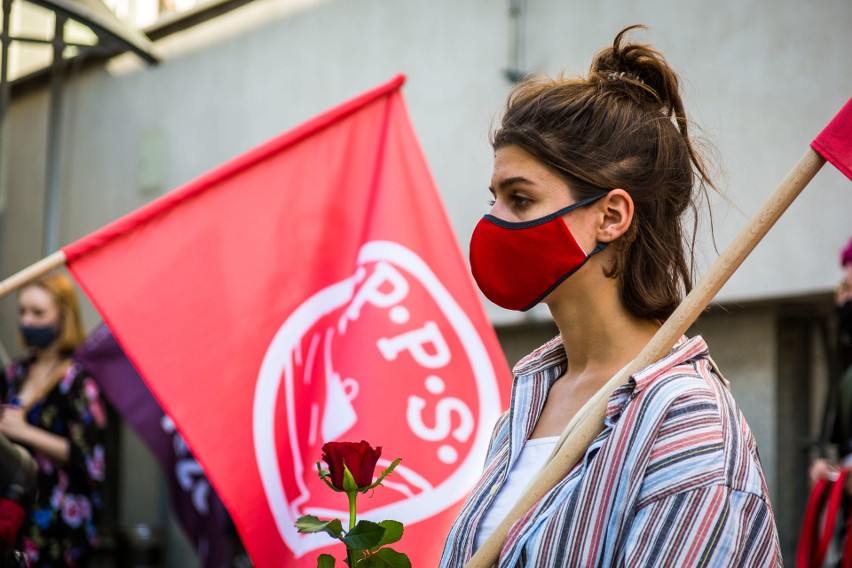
[386, 353]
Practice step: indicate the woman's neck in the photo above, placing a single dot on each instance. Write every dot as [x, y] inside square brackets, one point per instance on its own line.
[599, 334]
[48, 356]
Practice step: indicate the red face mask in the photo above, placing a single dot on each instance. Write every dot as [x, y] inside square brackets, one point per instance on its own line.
[517, 264]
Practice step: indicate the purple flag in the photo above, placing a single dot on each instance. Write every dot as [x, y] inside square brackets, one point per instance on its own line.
[195, 503]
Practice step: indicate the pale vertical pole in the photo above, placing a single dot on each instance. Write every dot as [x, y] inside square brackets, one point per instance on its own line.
[50, 230]
[5, 42]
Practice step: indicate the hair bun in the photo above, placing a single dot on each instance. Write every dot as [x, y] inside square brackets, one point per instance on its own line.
[639, 66]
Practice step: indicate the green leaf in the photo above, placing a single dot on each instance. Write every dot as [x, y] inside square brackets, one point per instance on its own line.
[335, 528]
[325, 561]
[383, 475]
[393, 532]
[357, 557]
[311, 524]
[386, 558]
[349, 484]
[364, 535]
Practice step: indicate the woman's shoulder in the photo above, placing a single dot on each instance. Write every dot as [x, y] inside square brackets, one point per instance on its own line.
[692, 396]
[683, 398]
[80, 392]
[686, 372]
[75, 378]
[13, 372]
[16, 367]
[701, 426]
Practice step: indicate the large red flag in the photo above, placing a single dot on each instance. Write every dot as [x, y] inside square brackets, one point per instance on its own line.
[307, 291]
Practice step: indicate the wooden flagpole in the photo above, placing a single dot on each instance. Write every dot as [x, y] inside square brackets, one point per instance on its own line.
[588, 423]
[32, 272]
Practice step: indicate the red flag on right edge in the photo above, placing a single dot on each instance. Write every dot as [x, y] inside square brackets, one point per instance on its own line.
[834, 143]
[311, 290]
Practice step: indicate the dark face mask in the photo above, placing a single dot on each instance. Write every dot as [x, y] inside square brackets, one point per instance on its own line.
[39, 337]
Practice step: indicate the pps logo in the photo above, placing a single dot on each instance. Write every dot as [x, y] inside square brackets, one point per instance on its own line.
[387, 356]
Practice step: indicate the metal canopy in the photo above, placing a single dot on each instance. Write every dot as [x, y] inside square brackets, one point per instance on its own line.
[114, 36]
[104, 23]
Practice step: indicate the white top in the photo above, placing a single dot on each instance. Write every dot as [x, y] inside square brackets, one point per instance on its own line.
[533, 456]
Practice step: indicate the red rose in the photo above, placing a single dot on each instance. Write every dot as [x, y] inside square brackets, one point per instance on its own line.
[359, 458]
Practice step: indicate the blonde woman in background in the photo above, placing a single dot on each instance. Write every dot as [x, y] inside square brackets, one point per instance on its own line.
[53, 407]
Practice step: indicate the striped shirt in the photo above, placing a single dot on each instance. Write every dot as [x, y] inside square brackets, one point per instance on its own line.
[673, 479]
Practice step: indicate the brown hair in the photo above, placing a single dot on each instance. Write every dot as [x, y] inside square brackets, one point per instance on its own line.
[624, 127]
[61, 289]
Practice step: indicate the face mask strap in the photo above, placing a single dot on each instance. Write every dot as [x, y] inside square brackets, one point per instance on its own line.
[542, 220]
[597, 249]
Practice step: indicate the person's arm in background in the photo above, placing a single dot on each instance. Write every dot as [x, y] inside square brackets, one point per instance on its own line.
[14, 425]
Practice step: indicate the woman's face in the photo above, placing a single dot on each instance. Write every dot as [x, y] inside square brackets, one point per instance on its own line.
[36, 308]
[524, 189]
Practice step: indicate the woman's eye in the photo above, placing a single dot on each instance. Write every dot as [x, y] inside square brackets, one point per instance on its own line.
[519, 201]
[513, 201]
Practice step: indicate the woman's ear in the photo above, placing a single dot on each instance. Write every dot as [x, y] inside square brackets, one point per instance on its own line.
[617, 209]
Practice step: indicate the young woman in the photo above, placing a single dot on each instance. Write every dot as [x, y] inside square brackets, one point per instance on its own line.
[592, 177]
[54, 409]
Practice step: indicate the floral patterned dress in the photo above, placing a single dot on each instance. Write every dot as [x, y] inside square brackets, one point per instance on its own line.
[61, 531]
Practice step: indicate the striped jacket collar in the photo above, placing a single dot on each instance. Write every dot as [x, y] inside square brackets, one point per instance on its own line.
[549, 361]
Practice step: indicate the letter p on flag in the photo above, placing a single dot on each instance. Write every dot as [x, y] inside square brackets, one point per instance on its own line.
[310, 290]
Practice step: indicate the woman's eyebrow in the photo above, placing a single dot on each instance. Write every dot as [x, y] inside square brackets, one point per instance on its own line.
[516, 180]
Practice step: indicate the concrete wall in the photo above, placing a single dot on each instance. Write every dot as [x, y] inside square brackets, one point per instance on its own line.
[761, 77]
